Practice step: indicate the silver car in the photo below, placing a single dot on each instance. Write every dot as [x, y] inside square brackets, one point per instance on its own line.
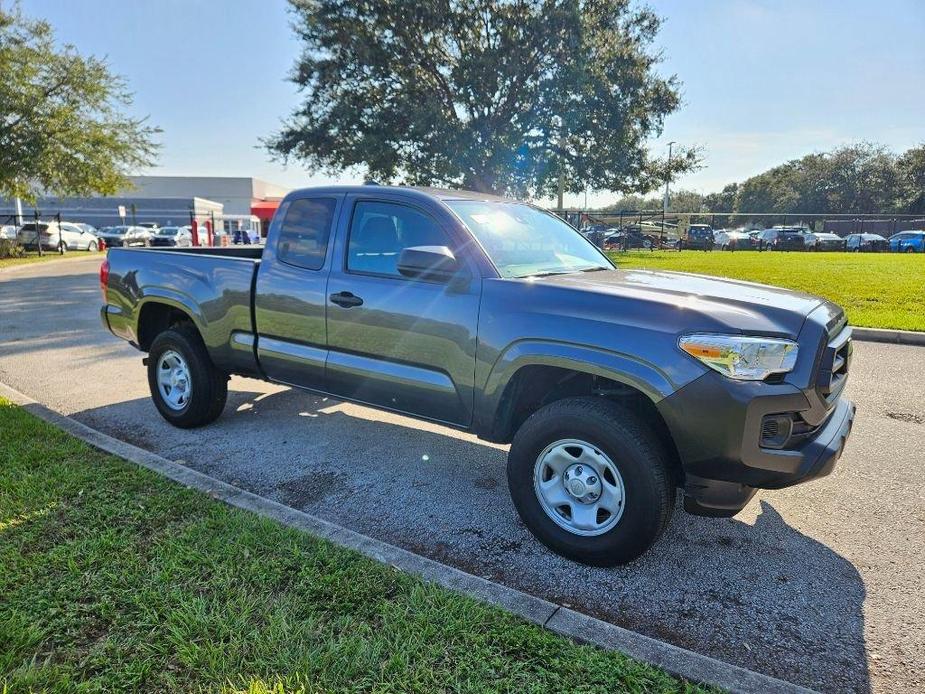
[126, 236]
[53, 236]
[733, 240]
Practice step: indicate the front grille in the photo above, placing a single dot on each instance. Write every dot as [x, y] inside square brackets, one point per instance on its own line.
[836, 362]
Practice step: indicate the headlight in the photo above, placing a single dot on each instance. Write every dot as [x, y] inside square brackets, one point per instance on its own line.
[740, 357]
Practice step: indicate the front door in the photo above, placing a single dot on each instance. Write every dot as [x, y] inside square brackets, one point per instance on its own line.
[290, 298]
[396, 342]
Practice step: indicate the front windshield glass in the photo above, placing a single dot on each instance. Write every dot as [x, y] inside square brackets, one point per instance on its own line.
[167, 231]
[523, 241]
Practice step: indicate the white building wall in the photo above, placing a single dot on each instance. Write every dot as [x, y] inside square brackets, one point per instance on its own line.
[235, 193]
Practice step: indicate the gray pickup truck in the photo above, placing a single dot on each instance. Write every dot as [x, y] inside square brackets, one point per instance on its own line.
[613, 387]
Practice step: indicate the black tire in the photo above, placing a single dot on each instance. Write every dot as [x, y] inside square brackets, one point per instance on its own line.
[209, 386]
[92, 247]
[631, 445]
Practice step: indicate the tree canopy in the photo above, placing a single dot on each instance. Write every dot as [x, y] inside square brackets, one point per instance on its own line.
[859, 178]
[62, 125]
[492, 95]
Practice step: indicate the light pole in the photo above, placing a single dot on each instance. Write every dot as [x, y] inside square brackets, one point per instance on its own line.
[667, 178]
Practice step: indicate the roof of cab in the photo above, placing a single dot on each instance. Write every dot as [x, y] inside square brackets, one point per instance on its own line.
[403, 191]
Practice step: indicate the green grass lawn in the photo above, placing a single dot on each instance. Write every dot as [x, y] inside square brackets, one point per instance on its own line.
[877, 290]
[114, 579]
[47, 256]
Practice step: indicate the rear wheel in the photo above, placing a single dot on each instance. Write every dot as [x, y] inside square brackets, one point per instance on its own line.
[186, 387]
[591, 480]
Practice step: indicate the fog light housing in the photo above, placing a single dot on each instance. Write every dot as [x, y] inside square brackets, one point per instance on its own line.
[776, 430]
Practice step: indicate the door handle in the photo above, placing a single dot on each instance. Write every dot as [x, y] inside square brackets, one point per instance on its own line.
[346, 299]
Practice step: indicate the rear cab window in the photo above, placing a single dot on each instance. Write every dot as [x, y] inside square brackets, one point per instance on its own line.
[305, 232]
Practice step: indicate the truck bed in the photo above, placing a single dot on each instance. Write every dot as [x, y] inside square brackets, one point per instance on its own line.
[213, 286]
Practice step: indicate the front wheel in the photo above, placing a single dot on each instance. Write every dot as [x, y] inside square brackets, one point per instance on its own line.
[186, 387]
[591, 480]
[92, 247]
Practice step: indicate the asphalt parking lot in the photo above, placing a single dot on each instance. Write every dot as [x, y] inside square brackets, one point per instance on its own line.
[821, 584]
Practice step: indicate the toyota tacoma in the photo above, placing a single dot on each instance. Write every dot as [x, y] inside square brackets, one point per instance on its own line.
[614, 388]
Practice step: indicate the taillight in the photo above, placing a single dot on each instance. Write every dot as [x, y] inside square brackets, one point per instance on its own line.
[104, 279]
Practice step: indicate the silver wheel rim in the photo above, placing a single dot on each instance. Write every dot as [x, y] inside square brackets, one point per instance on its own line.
[173, 380]
[579, 487]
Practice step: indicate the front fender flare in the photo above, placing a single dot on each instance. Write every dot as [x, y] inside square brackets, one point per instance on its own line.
[628, 369]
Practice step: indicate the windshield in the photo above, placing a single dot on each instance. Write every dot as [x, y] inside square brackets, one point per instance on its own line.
[522, 240]
[167, 231]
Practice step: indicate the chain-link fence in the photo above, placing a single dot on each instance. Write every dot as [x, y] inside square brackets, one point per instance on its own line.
[625, 229]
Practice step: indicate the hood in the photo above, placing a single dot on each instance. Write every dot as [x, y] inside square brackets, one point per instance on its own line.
[700, 302]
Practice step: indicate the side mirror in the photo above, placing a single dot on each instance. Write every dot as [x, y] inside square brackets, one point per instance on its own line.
[435, 263]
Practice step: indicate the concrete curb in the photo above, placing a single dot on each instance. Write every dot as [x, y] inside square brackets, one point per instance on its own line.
[897, 337]
[562, 620]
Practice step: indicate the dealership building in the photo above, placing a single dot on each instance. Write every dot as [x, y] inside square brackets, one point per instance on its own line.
[237, 195]
[217, 202]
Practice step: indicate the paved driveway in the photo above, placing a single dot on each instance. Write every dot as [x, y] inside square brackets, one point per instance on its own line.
[820, 585]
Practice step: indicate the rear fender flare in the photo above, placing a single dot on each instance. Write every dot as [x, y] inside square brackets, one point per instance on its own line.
[173, 299]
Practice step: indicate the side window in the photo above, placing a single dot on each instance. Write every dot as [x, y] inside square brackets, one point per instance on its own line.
[304, 233]
[380, 230]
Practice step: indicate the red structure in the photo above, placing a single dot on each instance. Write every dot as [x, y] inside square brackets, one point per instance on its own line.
[264, 210]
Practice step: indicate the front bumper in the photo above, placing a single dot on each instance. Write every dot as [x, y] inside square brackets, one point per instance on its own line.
[817, 457]
[717, 423]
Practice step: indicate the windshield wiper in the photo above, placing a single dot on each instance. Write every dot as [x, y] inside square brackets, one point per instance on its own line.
[594, 269]
[550, 272]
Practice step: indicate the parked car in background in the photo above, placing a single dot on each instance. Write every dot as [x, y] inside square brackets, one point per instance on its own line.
[8, 231]
[908, 242]
[699, 237]
[153, 226]
[53, 236]
[622, 240]
[734, 240]
[126, 236]
[180, 237]
[242, 236]
[781, 239]
[87, 227]
[866, 243]
[823, 241]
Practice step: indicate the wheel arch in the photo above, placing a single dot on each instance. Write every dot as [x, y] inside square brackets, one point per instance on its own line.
[157, 314]
[533, 383]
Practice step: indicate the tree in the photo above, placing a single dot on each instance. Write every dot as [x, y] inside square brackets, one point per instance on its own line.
[62, 130]
[494, 95]
[910, 181]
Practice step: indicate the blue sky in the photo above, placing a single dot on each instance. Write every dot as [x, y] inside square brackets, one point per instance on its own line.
[763, 81]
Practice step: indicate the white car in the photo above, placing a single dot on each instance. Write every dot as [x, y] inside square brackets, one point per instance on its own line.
[7, 231]
[57, 237]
